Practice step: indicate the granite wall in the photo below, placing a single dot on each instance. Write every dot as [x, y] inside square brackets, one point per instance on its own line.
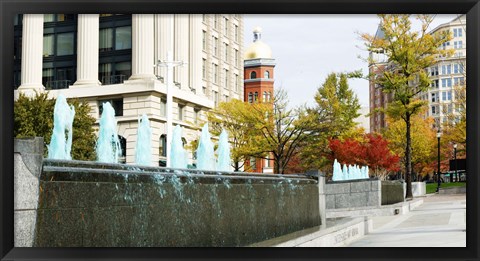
[352, 193]
[86, 204]
[392, 192]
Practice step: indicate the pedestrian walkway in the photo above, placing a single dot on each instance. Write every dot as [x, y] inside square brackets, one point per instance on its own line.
[439, 222]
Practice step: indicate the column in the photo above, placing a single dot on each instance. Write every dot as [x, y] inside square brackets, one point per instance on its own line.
[181, 49]
[32, 53]
[87, 50]
[142, 47]
[164, 39]
[195, 63]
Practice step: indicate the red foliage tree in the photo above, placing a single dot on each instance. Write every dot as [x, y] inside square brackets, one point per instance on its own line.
[374, 153]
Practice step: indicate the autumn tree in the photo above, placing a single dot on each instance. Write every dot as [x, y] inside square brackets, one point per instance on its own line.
[371, 151]
[410, 53]
[336, 107]
[33, 116]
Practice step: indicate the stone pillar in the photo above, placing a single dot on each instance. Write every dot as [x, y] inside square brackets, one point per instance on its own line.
[28, 158]
[142, 47]
[163, 40]
[181, 49]
[322, 206]
[195, 63]
[32, 53]
[87, 50]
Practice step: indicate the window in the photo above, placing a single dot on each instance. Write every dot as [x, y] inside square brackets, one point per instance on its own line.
[123, 38]
[114, 73]
[226, 25]
[215, 98]
[450, 108]
[264, 96]
[444, 45]
[225, 98]
[449, 95]
[215, 73]
[434, 70]
[196, 115]
[65, 44]
[181, 111]
[106, 39]
[204, 90]
[269, 96]
[163, 145]
[123, 149]
[236, 82]
[457, 68]
[204, 69]
[117, 105]
[444, 96]
[204, 40]
[236, 33]
[48, 45]
[225, 46]
[253, 163]
[253, 75]
[215, 23]
[433, 110]
[236, 57]
[458, 44]
[163, 107]
[226, 79]
[447, 82]
[250, 97]
[457, 32]
[447, 69]
[215, 46]
[434, 84]
[267, 75]
[434, 97]
[255, 97]
[458, 81]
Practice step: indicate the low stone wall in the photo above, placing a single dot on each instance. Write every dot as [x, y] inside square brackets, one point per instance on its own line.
[453, 190]
[352, 193]
[419, 189]
[86, 204]
[392, 192]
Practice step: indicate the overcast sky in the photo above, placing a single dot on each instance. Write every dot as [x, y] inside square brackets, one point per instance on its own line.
[309, 47]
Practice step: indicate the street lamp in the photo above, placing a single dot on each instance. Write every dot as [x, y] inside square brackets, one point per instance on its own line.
[457, 178]
[439, 134]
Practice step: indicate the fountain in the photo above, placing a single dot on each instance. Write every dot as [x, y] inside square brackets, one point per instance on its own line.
[108, 145]
[205, 152]
[143, 153]
[63, 115]
[177, 152]
[349, 172]
[223, 161]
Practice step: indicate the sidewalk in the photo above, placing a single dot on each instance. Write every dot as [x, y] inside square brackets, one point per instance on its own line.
[438, 222]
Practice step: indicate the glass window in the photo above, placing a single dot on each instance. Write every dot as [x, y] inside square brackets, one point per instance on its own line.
[267, 75]
[449, 95]
[47, 76]
[123, 68]
[106, 39]
[123, 38]
[226, 26]
[444, 96]
[163, 145]
[204, 69]
[215, 73]
[65, 17]
[226, 78]
[255, 97]
[48, 45]
[253, 75]
[117, 105]
[181, 109]
[65, 44]
[250, 97]
[236, 33]
[264, 96]
[48, 18]
[433, 110]
[204, 40]
[196, 114]
[215, 46]
[226, 52]
[236, 57]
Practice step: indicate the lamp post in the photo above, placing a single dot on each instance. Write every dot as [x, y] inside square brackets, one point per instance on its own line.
[457, 178]
[439, 134]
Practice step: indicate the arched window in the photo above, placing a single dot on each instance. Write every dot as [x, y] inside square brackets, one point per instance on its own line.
[267, 75]
[250, 97]
[184, 142]
[123, 147]
[265, 96]
[270, 96]
[163, 145]
[256, 97]
[253, 75]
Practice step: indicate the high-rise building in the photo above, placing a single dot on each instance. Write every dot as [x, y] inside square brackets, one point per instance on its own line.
[258, 83]
[114, 57]
[445, 74]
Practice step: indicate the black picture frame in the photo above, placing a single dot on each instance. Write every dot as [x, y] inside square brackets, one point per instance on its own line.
[11, 7]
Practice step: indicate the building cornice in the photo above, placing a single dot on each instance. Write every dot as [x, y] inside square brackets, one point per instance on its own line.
[259, 62]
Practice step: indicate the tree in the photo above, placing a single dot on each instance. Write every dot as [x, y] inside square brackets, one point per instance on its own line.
[423, 141]
[34, 117]
[333, 116]
[410, 53]
[236, 118]
[371, 151]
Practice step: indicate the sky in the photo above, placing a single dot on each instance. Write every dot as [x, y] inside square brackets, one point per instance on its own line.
[306, 48]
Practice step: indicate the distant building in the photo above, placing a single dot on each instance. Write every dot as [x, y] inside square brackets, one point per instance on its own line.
[363, 120]
[111, 57]
[445, 74]
[258, 84]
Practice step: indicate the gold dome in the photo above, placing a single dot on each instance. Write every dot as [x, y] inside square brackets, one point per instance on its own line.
[258, 49]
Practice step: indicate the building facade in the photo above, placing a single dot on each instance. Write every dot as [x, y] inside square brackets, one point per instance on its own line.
[258, 87]
[445, 74]
[106, 57]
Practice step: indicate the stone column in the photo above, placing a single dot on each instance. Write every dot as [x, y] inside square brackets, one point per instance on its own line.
[181, 49]
[164, 39]
[195, 63]
[87, 50]
[32, 53]
[142, 47]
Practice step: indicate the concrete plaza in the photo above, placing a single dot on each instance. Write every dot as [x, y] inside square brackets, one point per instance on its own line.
[439, 222]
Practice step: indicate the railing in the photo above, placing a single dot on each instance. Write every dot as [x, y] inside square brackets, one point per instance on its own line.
[56, 85]
[113, 79]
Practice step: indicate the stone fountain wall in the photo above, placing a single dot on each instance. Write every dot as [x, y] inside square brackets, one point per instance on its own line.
[353, 193]
[87, 204]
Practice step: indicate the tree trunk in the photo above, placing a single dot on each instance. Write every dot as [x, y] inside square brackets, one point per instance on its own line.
[237, 166]
[408, 158]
